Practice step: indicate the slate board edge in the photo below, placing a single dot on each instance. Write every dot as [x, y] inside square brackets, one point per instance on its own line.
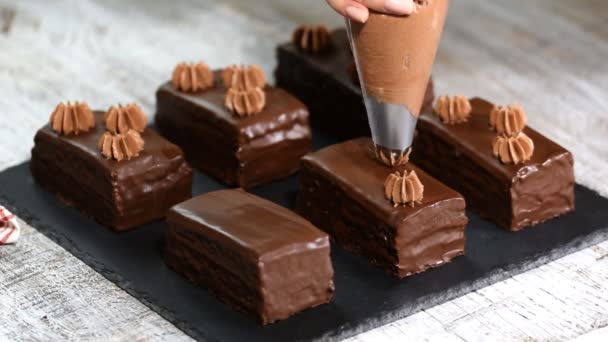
[91, 260]
[61, 239]
[540, 259]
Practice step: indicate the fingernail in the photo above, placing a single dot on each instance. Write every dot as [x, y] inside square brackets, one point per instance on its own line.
[399, 6]
[357, 14]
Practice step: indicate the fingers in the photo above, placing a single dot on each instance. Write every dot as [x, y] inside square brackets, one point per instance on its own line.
[358, 9]
[351, 9]
[398, 7]
[357, 13]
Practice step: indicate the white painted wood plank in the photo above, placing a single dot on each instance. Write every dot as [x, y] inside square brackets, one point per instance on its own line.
[46, 294]
[597, 335]
[547, 54]
[562, 300]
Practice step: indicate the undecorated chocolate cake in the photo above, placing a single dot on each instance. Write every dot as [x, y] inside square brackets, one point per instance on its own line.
[254, 255]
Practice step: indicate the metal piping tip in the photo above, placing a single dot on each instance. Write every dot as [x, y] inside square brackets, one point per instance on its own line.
[392, 125]
[392, 157]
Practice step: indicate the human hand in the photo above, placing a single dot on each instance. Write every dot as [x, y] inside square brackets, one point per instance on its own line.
[358, 10]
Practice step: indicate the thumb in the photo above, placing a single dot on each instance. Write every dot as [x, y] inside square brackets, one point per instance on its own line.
[352, 9]
[398, 7]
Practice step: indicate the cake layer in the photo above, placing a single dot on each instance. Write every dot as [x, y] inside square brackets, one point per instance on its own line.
[121, 195]
[207, 263]
[256, 256]
[513, 196]
[341, 192]
[327, 84]
[239, 151]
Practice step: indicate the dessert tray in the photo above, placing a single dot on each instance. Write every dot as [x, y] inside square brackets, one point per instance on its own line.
[366, 297]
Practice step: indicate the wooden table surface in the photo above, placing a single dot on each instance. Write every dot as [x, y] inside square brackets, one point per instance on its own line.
[549, 55]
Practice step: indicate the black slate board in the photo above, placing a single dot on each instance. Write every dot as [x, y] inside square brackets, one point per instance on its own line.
[365, 296]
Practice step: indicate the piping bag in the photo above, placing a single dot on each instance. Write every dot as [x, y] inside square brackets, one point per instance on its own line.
[394, 57]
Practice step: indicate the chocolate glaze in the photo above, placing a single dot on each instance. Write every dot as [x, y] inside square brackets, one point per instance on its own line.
[326, 85]
[243, 151]
[513, 196]
[341, 191]
[257, 256]
[120, 195]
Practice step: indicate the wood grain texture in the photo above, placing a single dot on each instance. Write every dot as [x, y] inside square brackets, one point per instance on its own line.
[555, 302]
[46, 294]
[549, 55]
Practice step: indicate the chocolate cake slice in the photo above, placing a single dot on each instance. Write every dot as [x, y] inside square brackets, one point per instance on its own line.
[256, 256]
[513, 196]
[118, 194]
[243, 151]
[327, 83]
[342, 192]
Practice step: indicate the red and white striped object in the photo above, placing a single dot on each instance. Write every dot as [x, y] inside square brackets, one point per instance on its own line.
[9, 227]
